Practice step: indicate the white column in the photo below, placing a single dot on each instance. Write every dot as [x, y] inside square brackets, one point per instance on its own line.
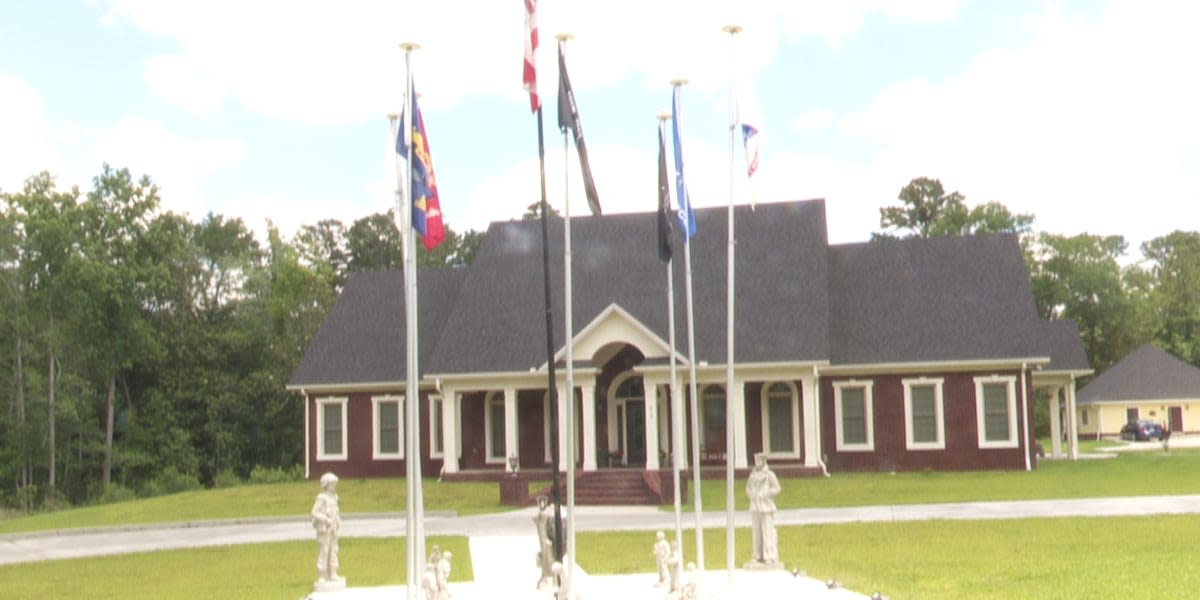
[680, 430]
[511, 442]
[1055, 426]
[737, 409]
[563, 432]
[588, 389]
[651, 424]
[1072, 421]
[449, 430]
[808, 412]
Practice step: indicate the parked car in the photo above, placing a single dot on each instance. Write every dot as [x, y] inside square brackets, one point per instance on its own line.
[1141, 430]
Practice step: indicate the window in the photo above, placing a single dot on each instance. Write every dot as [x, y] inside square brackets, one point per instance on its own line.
[494, 415]
[996, 411]
[852, 403]
[924, 424]
[1131, 414]
[389, 439]
[1083, 417]
[712, 408]
[436, 443]
[331, 428]
[781, 419]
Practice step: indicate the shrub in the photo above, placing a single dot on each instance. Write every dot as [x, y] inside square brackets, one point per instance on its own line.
[116, 493]
[261, 474]
[170, 481]
[226, 478]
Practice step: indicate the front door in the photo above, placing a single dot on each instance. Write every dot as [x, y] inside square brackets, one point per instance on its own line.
[1176, 413]
[635, 431]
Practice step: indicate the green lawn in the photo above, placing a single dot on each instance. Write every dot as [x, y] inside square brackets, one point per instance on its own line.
[282, 570]
[1093, 558]
[272, 500]
[1127, 557]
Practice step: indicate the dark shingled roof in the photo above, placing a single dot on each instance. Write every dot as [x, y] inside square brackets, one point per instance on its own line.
[362, 339]
[798, 298]
[1061, 340]
[946, 298]
[499, 323]
[1148, 373]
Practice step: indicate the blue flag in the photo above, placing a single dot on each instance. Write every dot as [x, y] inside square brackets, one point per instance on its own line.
[687, 219]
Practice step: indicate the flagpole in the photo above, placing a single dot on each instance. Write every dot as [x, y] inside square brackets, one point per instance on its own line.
[568, 318]
[416, 546]
[552, 387]
[694, 404]
[733, 31]
[676, 399]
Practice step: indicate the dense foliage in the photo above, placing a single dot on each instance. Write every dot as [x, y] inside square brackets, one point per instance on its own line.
[144, 353]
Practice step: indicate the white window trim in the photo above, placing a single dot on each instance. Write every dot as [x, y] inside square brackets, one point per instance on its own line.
[868, 401]
[489, 399]
[342, 401]
[766, 429]
[376, 421]
[939, 413]
[1010, 382]
[435, 412]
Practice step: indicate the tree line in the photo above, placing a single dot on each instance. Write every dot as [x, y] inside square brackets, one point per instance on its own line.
[141, 349]
[136, 342]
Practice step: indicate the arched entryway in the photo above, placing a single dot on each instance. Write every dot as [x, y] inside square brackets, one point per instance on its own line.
[627, 407]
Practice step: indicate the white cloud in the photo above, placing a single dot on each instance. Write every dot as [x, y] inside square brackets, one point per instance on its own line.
[1084, 127]
[333, 64]
[175, 164]
[26, 142]
[833, 21]
[813, 119]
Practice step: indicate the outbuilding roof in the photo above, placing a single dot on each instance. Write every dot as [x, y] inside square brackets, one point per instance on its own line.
[1148, 373]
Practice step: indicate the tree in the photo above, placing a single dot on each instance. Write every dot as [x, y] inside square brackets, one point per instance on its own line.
[117, 273]
[48, 223]
[1174, 269]
[926, 210]
[1079, 277]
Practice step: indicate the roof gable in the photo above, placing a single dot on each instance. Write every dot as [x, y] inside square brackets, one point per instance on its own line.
[1148, 373]
[934, 299]
[616, 326]
[781, 278]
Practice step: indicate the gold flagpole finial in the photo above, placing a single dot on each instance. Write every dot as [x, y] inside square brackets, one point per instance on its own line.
[409, 46]
[679, 82]
[564, 36]
[732, 29]
[663, 115]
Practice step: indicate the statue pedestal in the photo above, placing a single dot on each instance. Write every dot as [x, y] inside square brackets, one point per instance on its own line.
[335, 585]
[756, 565]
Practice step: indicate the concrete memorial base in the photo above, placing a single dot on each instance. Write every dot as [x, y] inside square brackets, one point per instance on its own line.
[335, 585]
[758, 565]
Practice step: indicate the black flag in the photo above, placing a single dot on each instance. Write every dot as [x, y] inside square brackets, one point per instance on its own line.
[568, 118]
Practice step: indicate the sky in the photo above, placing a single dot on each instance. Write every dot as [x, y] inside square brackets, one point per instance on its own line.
[1083, 113]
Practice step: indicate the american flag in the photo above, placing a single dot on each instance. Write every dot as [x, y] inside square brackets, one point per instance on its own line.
[529, 78]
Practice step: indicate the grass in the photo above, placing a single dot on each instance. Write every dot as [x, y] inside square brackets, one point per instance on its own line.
[271, 500]
[274, 570]
[1121, 557]
[1129, 474]
[1094, 558]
